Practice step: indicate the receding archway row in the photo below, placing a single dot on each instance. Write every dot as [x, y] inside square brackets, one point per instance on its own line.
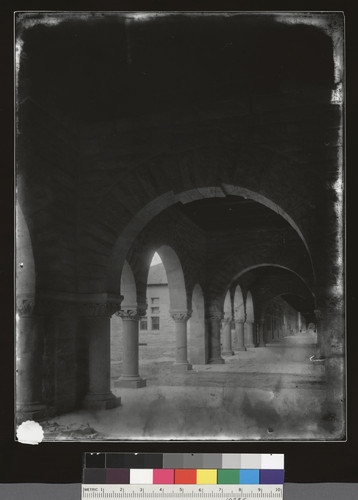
[201, 323]
[94, 323]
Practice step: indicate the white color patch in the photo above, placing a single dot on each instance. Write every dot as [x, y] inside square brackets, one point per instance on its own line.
[250, 461]
[272, 461]
[30, 432]
[141, 476]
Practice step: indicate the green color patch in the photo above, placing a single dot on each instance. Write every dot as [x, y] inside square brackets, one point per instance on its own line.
[228, 476]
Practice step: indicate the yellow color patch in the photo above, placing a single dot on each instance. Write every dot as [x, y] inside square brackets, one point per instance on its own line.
[206, 476]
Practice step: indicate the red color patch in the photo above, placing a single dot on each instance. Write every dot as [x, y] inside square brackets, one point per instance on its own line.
[185, 476]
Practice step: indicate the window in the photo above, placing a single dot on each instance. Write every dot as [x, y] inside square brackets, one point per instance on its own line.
[155, 310]
[143, 325]
[155, 300]
[155, 323]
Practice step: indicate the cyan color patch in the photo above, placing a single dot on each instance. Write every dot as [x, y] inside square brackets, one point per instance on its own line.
[249, 476]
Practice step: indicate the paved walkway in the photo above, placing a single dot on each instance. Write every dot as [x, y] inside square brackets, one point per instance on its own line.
[264, 393]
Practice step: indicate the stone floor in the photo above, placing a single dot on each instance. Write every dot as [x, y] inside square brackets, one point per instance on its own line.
[271, 393]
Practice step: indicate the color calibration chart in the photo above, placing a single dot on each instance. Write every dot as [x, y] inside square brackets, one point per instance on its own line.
[189, 476]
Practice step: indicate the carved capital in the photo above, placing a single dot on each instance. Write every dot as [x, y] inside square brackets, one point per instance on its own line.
[214, 315]
[48, 306]
[68, 304]
[128, 314]
[106, 308]
[142, 310]
[239, 321]
[180, 316]
[103, 304]
[227, 319]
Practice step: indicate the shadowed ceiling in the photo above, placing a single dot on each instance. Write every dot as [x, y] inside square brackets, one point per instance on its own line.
[106, 67]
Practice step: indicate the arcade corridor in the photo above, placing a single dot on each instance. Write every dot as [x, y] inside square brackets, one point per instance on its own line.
[214, 142]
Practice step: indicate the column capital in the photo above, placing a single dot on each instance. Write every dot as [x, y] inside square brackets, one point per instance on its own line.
[227, 319]
[239, 321]
[103, 308]
[180, 316]
[101, 304]
[129, 313]
[69, 304]
[249, 322]
[214, 314]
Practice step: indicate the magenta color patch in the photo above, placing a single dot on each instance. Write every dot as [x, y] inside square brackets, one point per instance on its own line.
[163, 476]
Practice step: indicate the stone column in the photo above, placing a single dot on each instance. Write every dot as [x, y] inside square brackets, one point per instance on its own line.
[249, 334]
[213, 321]
[130, 365]
[96, 322]
[29, 353]
[181, 351]
[239, 330]
[226, 336]
[261, 325]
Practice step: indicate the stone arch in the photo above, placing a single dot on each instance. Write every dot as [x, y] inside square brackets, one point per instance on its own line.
[239, 307]
[197, 338]
[266, 264]
[217, 295]
[164, 201]
[250, 315]
[175, 276]
[276, 295]
[25, 262]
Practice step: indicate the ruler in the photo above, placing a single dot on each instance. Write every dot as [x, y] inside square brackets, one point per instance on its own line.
[176, 491]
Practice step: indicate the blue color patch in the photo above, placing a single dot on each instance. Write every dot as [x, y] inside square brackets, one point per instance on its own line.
[275, 476]
[249, 476]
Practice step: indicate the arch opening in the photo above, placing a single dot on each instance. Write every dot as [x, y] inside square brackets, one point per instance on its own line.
[250, 316]
[164, 201]
[239, 307]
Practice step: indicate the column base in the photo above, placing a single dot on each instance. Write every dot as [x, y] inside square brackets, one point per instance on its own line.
[130, 383]
[240, 349]
[227, 353]
[101, 401]
[182, 367]
[33, 411]
[250, 346]
[216, 361]
[261, 345]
